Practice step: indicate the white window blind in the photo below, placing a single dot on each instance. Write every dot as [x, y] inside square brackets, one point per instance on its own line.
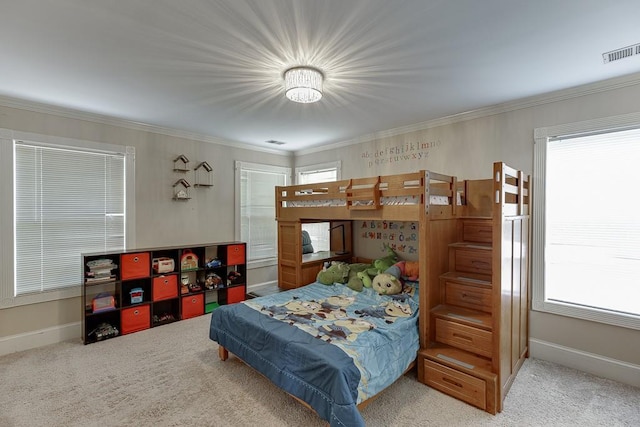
[67, 201]
[592, 250]
[258, 227]
[586, 225]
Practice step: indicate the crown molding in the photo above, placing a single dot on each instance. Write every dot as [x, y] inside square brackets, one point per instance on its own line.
[70, 113]
[533, 101]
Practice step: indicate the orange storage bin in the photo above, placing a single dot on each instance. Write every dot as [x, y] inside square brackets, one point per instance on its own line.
[165, 287]
[135, 266]
[235, 254]
[135, 319]
[192, 306]
[235, 294]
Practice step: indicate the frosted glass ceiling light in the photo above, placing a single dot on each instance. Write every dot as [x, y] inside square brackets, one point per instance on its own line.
[303, 84]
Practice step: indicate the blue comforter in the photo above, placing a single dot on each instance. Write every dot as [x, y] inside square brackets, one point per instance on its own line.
[327, 345]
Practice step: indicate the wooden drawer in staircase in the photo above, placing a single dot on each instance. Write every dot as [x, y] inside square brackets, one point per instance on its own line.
[470, 258]
[467, 295]
[477, 231]
[464, 337]
[455, 383]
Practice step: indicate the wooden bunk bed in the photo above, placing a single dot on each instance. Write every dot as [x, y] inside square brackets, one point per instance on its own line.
[473, 256]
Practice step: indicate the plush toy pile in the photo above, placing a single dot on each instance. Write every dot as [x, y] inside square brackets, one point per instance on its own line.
[384, 274]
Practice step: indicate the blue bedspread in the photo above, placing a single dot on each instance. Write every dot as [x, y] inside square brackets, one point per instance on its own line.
[327, 345]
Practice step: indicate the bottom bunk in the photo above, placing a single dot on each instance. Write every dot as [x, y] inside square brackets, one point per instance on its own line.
[327, 345]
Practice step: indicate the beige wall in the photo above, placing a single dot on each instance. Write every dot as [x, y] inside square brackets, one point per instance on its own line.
[160, 221]
[468, 149]
[464, 148]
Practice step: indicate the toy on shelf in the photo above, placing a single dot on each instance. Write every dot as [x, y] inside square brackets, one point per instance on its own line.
[213, 281]
[104, 331]
[137, 295]
[213, 263]
[188, 260]
[163, 265]
[103, 302]
[234, 277]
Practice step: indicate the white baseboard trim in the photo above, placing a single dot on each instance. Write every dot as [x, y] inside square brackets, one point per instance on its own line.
[42, 337]
[606, 367]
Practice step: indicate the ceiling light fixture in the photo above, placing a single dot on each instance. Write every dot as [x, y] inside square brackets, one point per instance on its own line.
[303, 84]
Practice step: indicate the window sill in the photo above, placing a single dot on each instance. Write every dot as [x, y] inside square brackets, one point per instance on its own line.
[41, 297]
[269, 262]
[591, 314]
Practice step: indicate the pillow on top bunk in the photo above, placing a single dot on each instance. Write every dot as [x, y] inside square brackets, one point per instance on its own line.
[307, 247]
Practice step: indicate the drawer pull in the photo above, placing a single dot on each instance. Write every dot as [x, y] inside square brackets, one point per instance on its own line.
[452, 382]
[471, 296]
[463, 337]
[480, 264]
[136, 312]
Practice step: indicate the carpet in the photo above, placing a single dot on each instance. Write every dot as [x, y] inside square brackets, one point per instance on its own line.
[171, 376]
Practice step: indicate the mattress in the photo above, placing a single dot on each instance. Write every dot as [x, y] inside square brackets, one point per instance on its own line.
[384, 201]
[327, 345]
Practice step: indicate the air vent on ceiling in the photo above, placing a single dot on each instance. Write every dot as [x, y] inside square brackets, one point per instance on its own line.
[274, 142]
[625, 52]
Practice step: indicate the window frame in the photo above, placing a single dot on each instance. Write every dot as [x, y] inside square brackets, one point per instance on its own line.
[7, 211]
[239, 167]
[541, 138]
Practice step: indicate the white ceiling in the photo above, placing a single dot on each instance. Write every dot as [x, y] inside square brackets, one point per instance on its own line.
[215, 67]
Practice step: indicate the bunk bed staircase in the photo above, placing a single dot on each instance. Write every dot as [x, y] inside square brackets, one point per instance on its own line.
[478, 334]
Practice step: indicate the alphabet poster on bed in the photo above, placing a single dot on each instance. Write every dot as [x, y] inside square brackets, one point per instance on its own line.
[400, 236]
[403, 152]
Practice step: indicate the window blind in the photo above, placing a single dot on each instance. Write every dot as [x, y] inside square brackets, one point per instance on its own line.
[592, 250]
[257, 211]
[67, 201]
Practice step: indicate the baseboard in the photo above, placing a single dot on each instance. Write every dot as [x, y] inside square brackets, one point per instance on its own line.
[42, 337]
[601, 366]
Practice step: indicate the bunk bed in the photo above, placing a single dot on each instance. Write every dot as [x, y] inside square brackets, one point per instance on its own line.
[450, 214]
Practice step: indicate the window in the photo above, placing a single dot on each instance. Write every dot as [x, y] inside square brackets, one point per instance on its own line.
[319, 231]
[44, 210]
[67, 201]
[255, 201]
[586, 227]
[318, 173]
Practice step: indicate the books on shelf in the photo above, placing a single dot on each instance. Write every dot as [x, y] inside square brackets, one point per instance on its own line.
[100, 271]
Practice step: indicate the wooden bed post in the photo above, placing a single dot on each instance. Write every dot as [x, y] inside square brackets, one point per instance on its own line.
[223, 353]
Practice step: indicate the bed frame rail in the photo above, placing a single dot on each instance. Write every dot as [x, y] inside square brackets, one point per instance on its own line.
[400, 196]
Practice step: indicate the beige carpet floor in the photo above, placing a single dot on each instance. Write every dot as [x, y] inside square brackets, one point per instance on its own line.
[171, 376]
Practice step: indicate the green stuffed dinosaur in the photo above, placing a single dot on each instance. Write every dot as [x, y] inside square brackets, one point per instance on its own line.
[378, 266]
[337, 272]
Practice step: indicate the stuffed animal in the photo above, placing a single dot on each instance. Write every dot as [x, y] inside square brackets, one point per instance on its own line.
[382, 264]
[386, 283]
[378, 266]
[406, 269]
[337, 272]
[356, 271]
[390, 282]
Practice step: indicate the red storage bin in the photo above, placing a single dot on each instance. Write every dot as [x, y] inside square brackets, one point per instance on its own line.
[165, 287]
[135, 266]
[236, 294]
[192, 306]
[235, 254]
[135, 319]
